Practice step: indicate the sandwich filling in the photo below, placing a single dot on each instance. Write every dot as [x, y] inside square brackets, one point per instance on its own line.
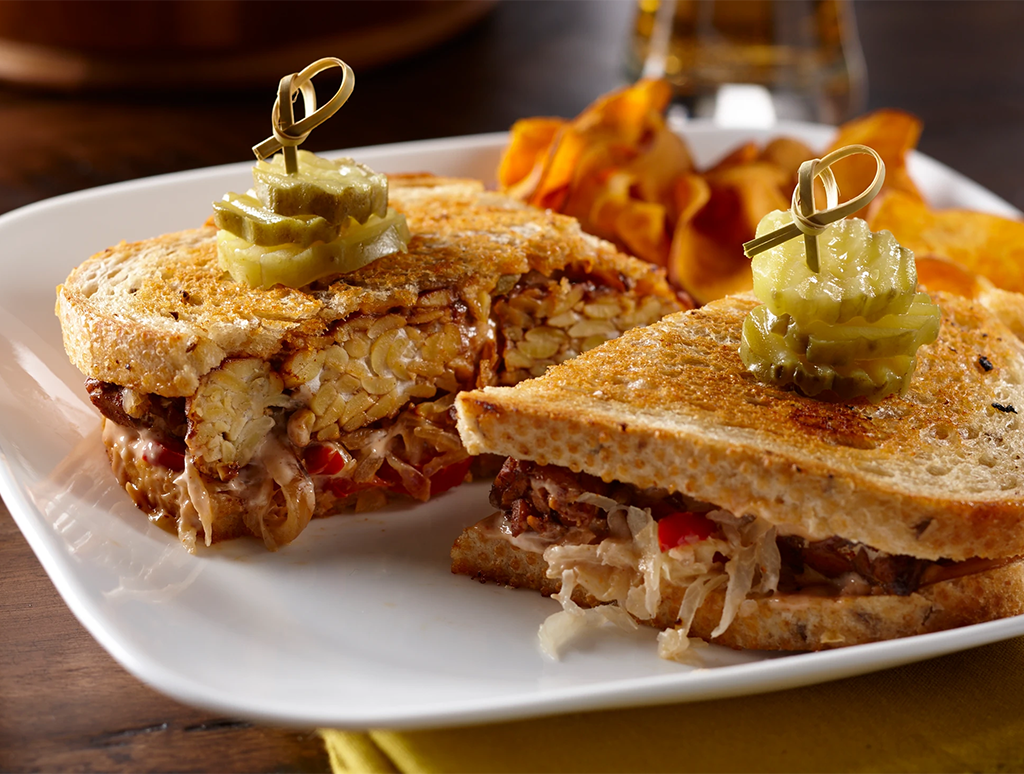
[354, 416]
[625, 547]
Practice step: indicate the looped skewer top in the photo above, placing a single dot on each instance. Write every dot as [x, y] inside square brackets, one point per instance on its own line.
[806, 220]
[289, 134]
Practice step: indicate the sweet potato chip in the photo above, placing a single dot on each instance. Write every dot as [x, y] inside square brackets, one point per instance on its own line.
[629, 179]
[707, 257]
[940, 274]
[659, 165]
[529, 140]
[744, 154]
[642, 228]
[892, 134]
[613, 167]
[706, 266]
[625, 113]
[690, 194]
[787, 154]
[989, 245]
[559, 168]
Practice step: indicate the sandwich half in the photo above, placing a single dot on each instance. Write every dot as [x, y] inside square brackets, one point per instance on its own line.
[655, 475]
[233, 410]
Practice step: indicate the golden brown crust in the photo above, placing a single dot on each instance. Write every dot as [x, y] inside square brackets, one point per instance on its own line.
[157, 315]
[783, 622]
[155, 490]
[936, 473]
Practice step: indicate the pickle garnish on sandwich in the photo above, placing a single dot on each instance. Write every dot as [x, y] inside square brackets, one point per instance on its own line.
[840, 311]
[306, 217]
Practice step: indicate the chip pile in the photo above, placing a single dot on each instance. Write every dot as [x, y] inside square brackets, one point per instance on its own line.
[628, 178]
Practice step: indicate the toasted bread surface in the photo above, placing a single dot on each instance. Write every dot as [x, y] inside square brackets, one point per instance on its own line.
[938, 472]
[781, 622]
[157, 315]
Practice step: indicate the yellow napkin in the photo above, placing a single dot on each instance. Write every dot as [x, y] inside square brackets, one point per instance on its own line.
[962, 712]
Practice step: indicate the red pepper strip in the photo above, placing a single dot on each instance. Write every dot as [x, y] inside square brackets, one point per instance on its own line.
[441, 481]
[322, 460]
[448, 477]
[683, 527]
[343, 487]
[158, 454]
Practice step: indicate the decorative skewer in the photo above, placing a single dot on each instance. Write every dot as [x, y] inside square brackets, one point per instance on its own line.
[811, 222]
[289, 134]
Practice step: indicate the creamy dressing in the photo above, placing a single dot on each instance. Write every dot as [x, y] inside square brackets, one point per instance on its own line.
[299, 493]
[190, 499]
[198, 496]
[132, 444]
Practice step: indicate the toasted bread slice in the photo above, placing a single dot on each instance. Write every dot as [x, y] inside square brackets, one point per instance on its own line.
[157, 315]
[341, 391]
[781, 622]
[936, 473]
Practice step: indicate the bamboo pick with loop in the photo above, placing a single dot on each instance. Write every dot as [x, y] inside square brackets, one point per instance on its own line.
[289, 134]
[806, 220]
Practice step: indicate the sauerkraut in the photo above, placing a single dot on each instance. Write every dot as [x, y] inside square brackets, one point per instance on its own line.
[628, 572]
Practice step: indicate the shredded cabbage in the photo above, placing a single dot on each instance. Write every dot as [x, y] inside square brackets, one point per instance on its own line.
[560, 628]
[199, 497]
[628, 571]
[673, 645]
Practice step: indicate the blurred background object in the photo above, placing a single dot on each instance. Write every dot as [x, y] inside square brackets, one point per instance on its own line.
[75, 45]
[750, 62]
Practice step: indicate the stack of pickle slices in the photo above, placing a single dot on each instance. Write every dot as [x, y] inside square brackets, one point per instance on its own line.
[329, 218]
[852, 328]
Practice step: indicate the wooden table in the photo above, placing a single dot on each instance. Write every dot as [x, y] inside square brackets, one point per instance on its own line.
[64, 703]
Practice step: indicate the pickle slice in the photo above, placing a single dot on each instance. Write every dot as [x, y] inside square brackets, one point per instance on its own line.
[892, 335]
[763, 347]
[862, 274]
[295, 265]
[334, 189]
[246, 217]
[775, 350]
[874, 379]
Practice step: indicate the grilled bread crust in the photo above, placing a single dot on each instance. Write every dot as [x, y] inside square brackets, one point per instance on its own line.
[936, 473]
[157, 315]
[781, 622]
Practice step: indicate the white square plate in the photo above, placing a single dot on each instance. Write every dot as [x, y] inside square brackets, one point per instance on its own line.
[359, 623]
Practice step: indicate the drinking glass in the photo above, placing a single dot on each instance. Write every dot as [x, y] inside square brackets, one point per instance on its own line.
[752, 62]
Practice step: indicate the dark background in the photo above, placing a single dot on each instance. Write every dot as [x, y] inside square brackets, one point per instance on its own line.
[64, 703]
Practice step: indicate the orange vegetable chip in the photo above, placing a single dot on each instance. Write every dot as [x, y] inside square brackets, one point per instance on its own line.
[594, 165]
[625, 113]
[892, 134]
[659, 165]
[610, 200]
[787, 154]
[529, 140]
[613, 167]
[618, 121]
[940, 274]
[641, 226]
[989, 245]
[744, 154]
[707, 258]
[690, 194]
